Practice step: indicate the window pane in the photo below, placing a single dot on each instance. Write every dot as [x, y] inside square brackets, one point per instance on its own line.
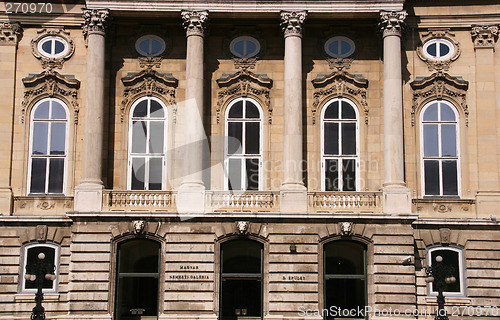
[241, 256]
[349, 175]
[252, 138]
[155, 173]
[234, 174]
[331, 175]
[252, 110]
[141, 109]
[242, 296]
[348, 111]
[58, 139]
[59, 47]
[138, 173]
[42, 111]
[431, 140]
[32, 257]
[332, 111]
[449, 140]
[345, 294]
[144, 46]
[156, 110]
[331, 141]
[156, 46]
[139, 136]
[334, 47]
[447, 113]
[156, 138]
[38, 175]
[40, 135]
[239, 47]
[431, 49]
[344, 257]
[236, 110]
[431, 173]
[138, 256]
[348, 138]
[234, 137]
[251, 47]
[431, 113]
[450, 181]
[451, 259]
[444, 50]
[137, 293]
[56, 175]
[58, 111]
[344, 47]
[252, 171]
[47, 46]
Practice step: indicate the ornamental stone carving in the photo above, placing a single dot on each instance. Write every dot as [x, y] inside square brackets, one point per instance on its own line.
[195, 22]
[484, 36]
[52, 63]
[138, 226]
[445, 235]
[439, 65]
[392, 22]
[346, 228]
[242, 227]
[440, 85]
[96, 21]
[291, 22]
[10, 33]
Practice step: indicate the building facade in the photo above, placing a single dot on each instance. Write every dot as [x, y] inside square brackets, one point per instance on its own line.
[250, 159]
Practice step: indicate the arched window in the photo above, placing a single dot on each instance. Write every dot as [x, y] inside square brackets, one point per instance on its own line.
[48, 147]
[340, 146]
[345, 277]
[439, 136]
[452, 257]
[137, 279]
[30, 257]
[241, 280]
[147, 145]
[243, 148]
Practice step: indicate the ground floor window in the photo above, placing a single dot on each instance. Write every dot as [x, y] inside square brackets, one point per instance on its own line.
[137, 280]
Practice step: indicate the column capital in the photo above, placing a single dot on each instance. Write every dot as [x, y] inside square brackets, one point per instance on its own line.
[292, 21]
[195, 22]
[10, 33]
[96, 21]
[392, 22]
[484, 36]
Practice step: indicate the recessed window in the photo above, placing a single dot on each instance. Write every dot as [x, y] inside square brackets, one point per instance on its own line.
[339, 47]
[53, 47]
[452, 259]
[438, 49]
[150, 46]
[31, 254]
[245, 47]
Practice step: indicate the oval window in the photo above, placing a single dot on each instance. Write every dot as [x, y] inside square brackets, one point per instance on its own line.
[438, 49]
[53, 47]
[245, 47]
[150, 46]
[339, 47]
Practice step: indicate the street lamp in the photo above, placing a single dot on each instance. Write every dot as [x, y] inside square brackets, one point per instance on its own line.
[39, 271]
[440, 275]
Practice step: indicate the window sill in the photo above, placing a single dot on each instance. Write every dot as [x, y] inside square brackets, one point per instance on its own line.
[450, 301]
[31, 297]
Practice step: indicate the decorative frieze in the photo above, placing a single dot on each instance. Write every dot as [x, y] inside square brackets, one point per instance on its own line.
[392, 22]
[10, 33]
[52, 62]
[291, 22]
[484, 36]
[96, 21]
[195, 22]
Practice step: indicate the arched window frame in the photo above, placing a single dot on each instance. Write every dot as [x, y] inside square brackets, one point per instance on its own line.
[26, 248]
[440, 158]
[461, 263]
[243, 156]
[147, 155]
[48, 156]
[340, 157]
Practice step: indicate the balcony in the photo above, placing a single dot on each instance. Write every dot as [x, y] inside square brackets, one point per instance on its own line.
[356, 202]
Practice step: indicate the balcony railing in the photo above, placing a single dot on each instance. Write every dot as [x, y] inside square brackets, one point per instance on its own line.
[138, 201]
[345, 202]
[244, 201]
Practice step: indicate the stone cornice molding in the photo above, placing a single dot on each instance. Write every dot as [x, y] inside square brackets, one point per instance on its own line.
[10, 33]
[392, 22]
[148, 82]
[244, 84]
[50, 84]
[339, 84]
[484, 36]
[440, 85]
[195, 22]
[292, 21]
[96, 21]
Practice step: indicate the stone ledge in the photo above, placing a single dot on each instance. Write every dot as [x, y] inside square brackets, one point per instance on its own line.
[28, 297]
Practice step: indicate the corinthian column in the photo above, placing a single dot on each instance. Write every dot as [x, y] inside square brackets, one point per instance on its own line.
[88, 195]
[191, 197]
[397, 198]
[293, 192]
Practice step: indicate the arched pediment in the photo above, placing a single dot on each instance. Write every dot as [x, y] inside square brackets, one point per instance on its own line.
[440, 85]
[339, 85]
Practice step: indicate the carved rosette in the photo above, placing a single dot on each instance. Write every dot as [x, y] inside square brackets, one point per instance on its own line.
[52, 63]
[96, 21]
[392, 22]
[440, 85]
[484, 36]
[292, 21]
[10, 33]
[195, 22]
[339, 85]
[439, 65]
[50, 84]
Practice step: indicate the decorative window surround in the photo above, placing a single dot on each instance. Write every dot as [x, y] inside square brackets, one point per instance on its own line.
[233, 47]
[459, 274]
[440, 64]
[51, 249]
[55, 61]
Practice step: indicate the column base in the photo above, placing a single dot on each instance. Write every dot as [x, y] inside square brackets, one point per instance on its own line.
[190, 199]
[6, 201]
[487, 203]
[293, 198]
[88, 197]
[187, 317]
[396, 199]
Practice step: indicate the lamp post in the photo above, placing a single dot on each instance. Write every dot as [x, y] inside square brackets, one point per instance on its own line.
[38, 271]
[440, 275]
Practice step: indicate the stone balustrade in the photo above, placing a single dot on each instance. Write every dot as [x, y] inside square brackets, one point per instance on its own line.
[345, 202]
